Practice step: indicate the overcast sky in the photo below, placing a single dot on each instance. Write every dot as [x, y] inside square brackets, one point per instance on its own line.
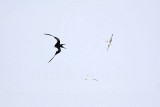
[128, 73]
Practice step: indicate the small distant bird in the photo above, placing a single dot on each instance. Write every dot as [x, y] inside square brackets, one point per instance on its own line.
[89, 78]
[57, 45]
[95, 79]
[109, 42]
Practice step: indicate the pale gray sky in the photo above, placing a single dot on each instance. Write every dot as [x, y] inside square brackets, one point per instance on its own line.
[128, 73]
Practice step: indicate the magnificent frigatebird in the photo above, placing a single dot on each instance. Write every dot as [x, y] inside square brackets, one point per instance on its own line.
[57, 45]
[109, 42]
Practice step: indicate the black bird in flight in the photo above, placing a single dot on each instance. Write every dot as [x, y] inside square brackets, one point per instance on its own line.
[57, 45]
[109, 42]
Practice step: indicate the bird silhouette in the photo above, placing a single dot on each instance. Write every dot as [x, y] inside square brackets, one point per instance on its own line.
[109, 42]
[57, 45]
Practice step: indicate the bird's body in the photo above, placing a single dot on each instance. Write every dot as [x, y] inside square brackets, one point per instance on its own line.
[57, 45]
[87, 77]
[109, 42]
[95, 79]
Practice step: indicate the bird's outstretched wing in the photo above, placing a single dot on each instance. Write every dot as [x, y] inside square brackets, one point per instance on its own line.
[58, 41]
[58, 51]
[95, 79]
[108, 46]
[111, 39]
[48, 34]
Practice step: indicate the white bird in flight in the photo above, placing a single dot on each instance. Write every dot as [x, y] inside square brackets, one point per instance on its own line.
[89, 78]
[109, 42]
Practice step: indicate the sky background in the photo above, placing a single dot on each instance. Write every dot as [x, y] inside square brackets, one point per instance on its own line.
[128, 73]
